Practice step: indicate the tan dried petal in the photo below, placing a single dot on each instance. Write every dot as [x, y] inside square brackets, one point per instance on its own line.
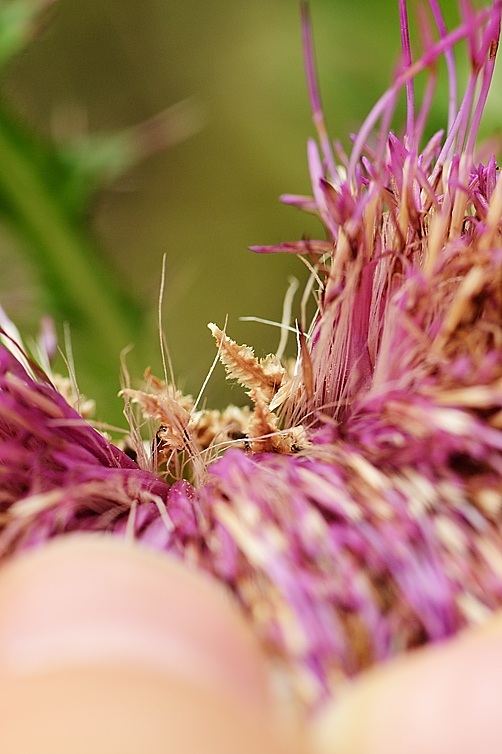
[159, 387]
[265, 375]
[219, 427]
[66, 387]
[165, 409]
[265, 434]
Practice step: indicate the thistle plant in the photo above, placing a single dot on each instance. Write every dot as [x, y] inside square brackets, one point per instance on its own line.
[354, 511]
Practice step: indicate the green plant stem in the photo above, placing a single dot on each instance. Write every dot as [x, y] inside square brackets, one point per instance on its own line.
[84, 285]
[83, 290]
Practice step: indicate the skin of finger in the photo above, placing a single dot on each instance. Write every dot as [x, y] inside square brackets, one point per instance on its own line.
[439, 700]
[93, 599]
[124, 711]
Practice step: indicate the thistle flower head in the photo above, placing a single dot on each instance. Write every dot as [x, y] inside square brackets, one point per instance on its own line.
[57, 474]
[363, 515]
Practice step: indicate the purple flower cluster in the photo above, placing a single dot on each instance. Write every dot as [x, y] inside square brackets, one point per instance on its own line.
[376, 525]
[57, 474]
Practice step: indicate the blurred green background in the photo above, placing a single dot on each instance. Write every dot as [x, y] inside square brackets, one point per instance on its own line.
[102, 65]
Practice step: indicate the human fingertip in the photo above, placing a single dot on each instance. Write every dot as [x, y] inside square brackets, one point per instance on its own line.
[87, 600]
[125, 711]
[439, 700]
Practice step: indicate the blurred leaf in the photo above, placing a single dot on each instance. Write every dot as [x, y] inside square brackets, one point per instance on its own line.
[94, 161]
[19, 23]
[34, 199]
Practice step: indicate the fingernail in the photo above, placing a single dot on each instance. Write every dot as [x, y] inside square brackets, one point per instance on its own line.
[88, 599]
